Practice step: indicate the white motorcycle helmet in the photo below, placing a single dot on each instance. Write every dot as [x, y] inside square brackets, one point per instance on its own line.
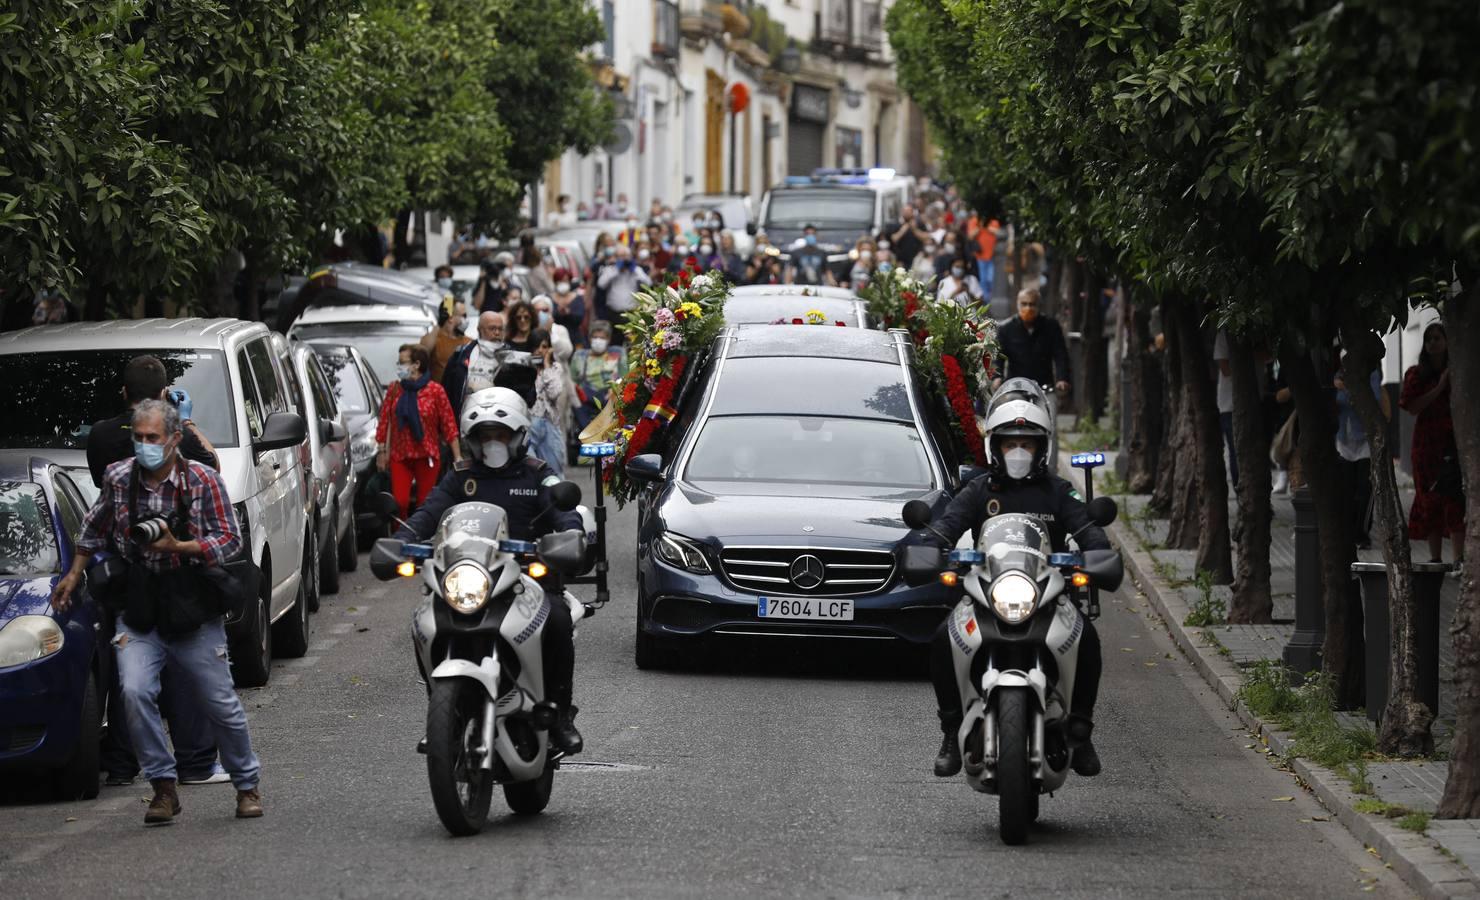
[488, 410]
[1018, 418]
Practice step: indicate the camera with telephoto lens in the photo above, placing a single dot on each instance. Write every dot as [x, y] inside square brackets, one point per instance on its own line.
[149, 530]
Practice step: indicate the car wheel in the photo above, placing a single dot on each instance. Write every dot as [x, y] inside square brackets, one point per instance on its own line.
[290, 634]
[349, 548]
[329, 562]
[78, 779]
[251, 653]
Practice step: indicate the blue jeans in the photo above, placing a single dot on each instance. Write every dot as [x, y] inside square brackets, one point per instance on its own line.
[547, 442]
[190, 732]
[199, 660]
[986, 270]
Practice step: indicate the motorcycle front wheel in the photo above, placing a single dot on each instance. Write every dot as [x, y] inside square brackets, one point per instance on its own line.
[527, 798]
[461, 789]
[1016, 795]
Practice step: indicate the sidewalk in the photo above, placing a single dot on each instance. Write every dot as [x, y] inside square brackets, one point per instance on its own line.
[1441, 861]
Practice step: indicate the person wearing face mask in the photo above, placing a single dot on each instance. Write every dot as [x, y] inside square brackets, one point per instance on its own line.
[863, 267]
[444, 280]
[594, 370]
[171, 611]
[447, 338]
[500, 470]
[959, 286]
[544, 311]
[1018, 480]
[923, 268]
[1033, 346]
[684, 257]
[416, 422]
[570, 306]
[476, 365]
[947, 257]
[808, 260]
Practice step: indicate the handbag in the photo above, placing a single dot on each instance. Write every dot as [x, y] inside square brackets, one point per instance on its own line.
[1283, 446]
[1450, 480]
[107, 580]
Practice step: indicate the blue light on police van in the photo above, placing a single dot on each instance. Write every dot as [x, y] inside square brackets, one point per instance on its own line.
[1087, 460]
[416, 551]
[605, 448]
[968, 557]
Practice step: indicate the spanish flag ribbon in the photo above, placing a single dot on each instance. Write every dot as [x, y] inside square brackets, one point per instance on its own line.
[655, 411]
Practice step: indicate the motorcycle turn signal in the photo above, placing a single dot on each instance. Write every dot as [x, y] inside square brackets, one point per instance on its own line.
[1080, 579]
[949, 579]
[538, 570]
[406, 569]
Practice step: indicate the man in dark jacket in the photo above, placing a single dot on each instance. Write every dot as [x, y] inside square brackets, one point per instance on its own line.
[1033, 346]
[1018, 482]
[495, 425]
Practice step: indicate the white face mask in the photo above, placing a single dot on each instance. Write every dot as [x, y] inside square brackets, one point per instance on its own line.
[495, 454]
[599, 345]
[562, 287]
[488, 348]
[1019, 462]
[706, 249]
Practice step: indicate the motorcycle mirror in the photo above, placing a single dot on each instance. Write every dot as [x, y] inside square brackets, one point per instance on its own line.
[384, 505]
[1103, 511]
[920, 563]
[916, 514]
[385, 556]
[1105, 568]
[566, 495]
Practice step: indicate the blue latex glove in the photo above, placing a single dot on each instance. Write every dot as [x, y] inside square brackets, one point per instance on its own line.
[181, 398]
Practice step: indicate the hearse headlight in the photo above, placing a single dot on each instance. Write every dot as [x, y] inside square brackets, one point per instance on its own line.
[685, 553]
[1013, 598]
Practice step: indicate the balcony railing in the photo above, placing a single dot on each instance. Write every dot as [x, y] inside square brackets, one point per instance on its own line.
[665, 30]
[853, 24]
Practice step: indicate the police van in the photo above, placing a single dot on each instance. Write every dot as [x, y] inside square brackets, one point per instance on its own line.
[842, 204]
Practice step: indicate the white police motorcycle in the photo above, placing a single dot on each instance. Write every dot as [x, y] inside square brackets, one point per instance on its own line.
[1015, 643]
[478, 646]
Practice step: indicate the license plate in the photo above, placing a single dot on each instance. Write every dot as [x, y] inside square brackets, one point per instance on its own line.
[804, 608]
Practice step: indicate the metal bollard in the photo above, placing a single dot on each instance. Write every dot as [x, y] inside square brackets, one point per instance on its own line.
[1303, 652]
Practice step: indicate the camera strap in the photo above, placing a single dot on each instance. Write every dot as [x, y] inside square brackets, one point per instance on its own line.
[182, 499]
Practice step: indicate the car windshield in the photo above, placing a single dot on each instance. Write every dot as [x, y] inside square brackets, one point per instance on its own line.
[379, 341]
[1015, 542]
[809, 450]
[54, 399]
[830, 209]
[28, 542]
[344, 377]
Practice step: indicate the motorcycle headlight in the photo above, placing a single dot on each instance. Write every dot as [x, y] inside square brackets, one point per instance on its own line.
[465, 587]
[677, 550]
[1013, 598]
[27, 638]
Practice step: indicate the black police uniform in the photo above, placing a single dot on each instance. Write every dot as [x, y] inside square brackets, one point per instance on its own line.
[1051, 499]
[522, 489]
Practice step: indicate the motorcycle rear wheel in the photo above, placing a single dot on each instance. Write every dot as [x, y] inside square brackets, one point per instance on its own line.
[1016, 795]
[526, 798]
[461, 789]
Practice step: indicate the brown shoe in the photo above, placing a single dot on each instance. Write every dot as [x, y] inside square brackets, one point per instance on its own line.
[249, 804]
[166, 803]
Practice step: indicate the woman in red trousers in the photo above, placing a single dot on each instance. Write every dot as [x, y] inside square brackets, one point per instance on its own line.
[418, 420]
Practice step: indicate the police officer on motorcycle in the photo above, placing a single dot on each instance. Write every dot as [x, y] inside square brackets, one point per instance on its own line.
[499, 470]
[1018, 481]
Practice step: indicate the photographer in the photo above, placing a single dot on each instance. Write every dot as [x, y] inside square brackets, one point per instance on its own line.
[111, 440]
[493, 284]
[171, 520]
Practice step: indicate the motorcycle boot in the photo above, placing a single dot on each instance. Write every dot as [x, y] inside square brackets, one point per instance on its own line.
[563, 734]
[948, 761]
[1086, 761]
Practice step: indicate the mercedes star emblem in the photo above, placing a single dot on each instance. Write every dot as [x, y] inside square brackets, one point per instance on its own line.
[808, 528]
[807, 572]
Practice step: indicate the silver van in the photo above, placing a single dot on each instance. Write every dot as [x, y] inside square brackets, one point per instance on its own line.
[63, 378]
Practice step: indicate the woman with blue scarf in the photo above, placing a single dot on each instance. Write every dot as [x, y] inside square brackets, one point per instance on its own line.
[416, 422]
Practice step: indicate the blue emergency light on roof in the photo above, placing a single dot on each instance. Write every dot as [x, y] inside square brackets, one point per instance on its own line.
[1087, 460]
[605, 448]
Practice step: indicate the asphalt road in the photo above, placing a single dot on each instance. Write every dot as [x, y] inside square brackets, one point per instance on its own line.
[796, 773]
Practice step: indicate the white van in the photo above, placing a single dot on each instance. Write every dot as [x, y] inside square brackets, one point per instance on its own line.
[64, 378]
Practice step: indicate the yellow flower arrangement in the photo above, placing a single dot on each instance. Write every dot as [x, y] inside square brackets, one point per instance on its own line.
[654, 368]
[815, 317]
[690, 309]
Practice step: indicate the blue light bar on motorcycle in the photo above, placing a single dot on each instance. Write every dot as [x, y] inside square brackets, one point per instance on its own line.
[1087, 460]
[416, 551]
[1060, 560]
[516, 546]
[606, 448]
[969, 557]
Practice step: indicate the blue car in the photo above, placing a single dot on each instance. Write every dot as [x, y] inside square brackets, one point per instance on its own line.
[53, 666]
[772, 508]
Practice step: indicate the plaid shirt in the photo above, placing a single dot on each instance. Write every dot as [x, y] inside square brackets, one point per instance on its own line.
[212, 520]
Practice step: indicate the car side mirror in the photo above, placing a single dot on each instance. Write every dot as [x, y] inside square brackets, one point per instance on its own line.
[1103, 511]
[1105, 568]
[563, 551]
[385, 557]
[331, 432]
[916, 514]
[282, 429]
[566, 495]
[751, 228]
[646, 467]
[966, 474]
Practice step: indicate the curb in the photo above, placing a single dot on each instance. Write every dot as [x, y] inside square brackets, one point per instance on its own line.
[1416, 858]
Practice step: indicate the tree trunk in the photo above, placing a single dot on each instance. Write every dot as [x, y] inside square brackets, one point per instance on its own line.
[1171, 458]
[1089, 368]
[1214, 553]
[1182, 525]
[97, 299]
[1143, 394]
[1252, 599]
[1405, 719]
[1074, 290]
[1462, 791]
[1342, 651]
[251, 301]
[401, 246]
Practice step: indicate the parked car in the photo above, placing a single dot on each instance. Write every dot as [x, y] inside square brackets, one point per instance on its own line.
[355, 284]
[731, 210]
[771, 513]
[54, 667]
[63, 378]
[333, 480]
[842, 204]
[759, 304]
[377, 330]
[357, 394]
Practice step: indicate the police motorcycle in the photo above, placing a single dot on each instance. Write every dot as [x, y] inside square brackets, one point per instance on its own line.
[1015, 644]
[478, 644]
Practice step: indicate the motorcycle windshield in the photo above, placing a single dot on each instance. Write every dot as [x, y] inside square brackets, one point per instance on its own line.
[1015, 543]
[470, 531]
